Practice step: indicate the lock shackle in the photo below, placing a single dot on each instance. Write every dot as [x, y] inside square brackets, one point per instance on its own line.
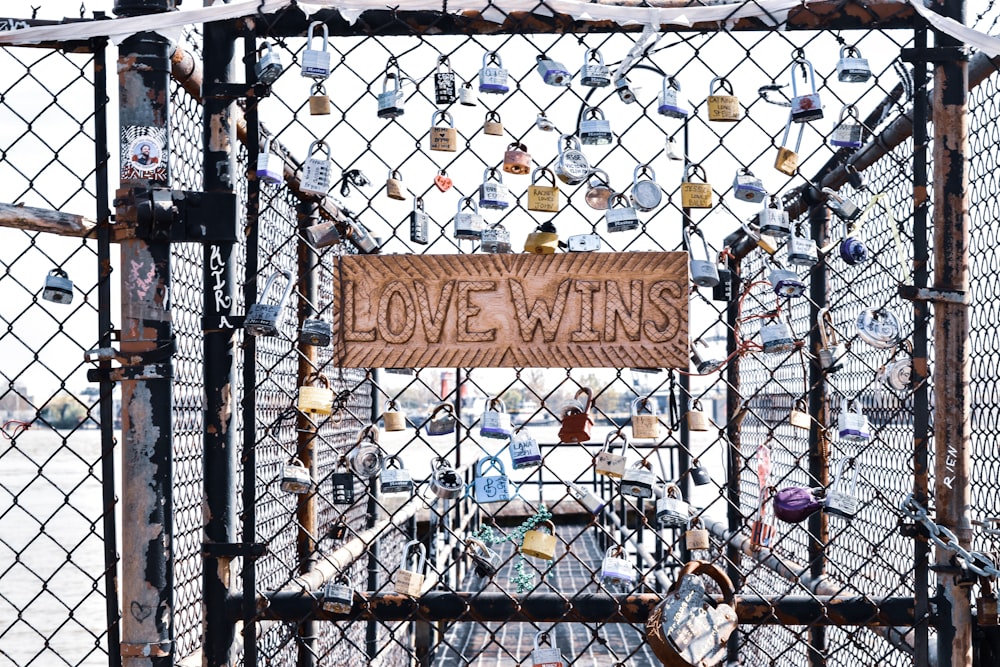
[723, 84]
[700, 567]
[592, 55]
[614, 551]
[447, 407]
[688, 231]
[592, 113]
[838, 483]
[537, 174]
[850, 51]
[851, 111]
[418, 203]
[492, 116]
[397, 82]
[57, 271]
[671, 490]
[641, 170]
[295, 461]
[390, 404]
[394, 173]
[827, 332]
[441, 463]
[610, 438]
[800, 405]
[802, 62]
[618, 199]
[777, 202]
[264, 46]
[473, 544]
[542, 636]
[602, 179]
[318, 89]
[442, 115]
[319, 143]
[492, 173]
[369, 433]
[640, 464]
[788, 128]
[468, 202]
[586, 391]
[496, 403]
[641, 403]
[695, 522]
[846, 405]
[494, 462]
[492, 57]
[694, 169]
[547, 524]
[671, 82]
[267, 285]
[517, 146]
[309, 35]
[443, 60]
[392, 462]
[568, 141]
[313, 378]
[421, 553]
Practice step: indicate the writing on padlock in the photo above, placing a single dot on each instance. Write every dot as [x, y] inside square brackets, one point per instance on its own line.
[671, 509]
[543, 197]
[645, 422]
[495, 239]
[409, 578]
[316, 170]
[787, 160]
[848, 131]
[58, 288]
[296, 478]
[693, 193]
[575, 416]
[773, 219]
[545, 654]
[316, 62]
[594, 73]
[616, 569]
[704, 272]
[262, 318]
[699, 475]
[443, 138]
[524, 450]
[620, 216]
[468, 225]
[842, 496]
[608, 463]
[419, 222]
[595, 130]
[722, 108]
[444, 82]
[807, 106]
[491, 488]
[493, 194]
[492, 76]
[395, 478]
[669, 103]
[572, 167]
[801, 250]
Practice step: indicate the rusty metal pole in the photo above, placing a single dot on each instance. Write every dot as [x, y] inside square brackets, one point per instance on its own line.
[147, 461]
[952, 426]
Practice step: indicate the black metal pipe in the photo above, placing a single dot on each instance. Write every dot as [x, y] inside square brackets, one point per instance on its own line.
[371, 518]
[734, 464]
[143, 7]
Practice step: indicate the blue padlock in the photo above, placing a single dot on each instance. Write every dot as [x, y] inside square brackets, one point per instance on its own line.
[524, 450]
[491, 488]
[553, 73]
[496, 421]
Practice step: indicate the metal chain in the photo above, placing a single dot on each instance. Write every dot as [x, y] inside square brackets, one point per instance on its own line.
[944, 538]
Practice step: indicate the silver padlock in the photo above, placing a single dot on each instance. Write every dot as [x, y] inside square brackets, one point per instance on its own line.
[671, 509]
[495, 240]
[315, 62]
[844, 207]
[365, 458]
[442, 420]
[268, 66]
[831, 350]
[594, 73]
[773, 219]
[842, 496]
[624, 90]
[852, 68]
[315, 332]
[549, 656]
[553, 73]
[669, 103]
[493, 194]
[595, 130]
[673, 149]
[295, 478]
[58, 288]
[544, 123]
[468, 226]
[776, 336]
[487, 562]
[583, 496]
[808, 106]
[444, 82]
[620, 217]
[316, 170]
[491, 488]
[409, 581]
[495, 422]
[608, 463]
[879, 328]
[390, 100]
[524, 450]
[801, 250]
[786, 283]
[445, 480]
[263, 319]
[572, 166]
[395, 478]
[897, 374]
[419, 222]
[646, 193]
[638, 480]
[338, 597]
[359, 235]
[270, 168]
[747, 187]
[466, 95]
[616, 570]
[583, 243]
[852, 426]
[704, 272]
[848, 132]
[493, 77]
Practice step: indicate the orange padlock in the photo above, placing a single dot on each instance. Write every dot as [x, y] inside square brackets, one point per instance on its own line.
[516, 160]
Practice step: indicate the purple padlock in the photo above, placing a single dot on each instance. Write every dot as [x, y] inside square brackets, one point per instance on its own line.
[797, 503]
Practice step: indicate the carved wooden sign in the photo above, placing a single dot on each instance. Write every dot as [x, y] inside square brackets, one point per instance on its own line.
[580, 310]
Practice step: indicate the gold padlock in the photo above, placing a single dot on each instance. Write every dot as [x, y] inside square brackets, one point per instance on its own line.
[543, 197]
[787, 161]
[316, 400]
[695, 195]
[394, 419]
[799, 417]
[644, 426]
[319, 103]
[540, 544]
[443, 138]
[516, 159]
[696, 537]
[394, 186]
[407, 581]
[493, 126]
[722, 108]
[542, 241]
[697, 419]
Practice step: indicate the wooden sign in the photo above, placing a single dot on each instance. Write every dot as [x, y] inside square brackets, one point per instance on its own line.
[573, 310]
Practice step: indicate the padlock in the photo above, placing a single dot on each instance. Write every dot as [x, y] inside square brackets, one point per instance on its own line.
[697, 419]
[493, 194]
[493, 77]
[468, 226]
[516, 159]
[538, 543]
[852, 68]
[853, 250]
[270, 167]
[543, 123]
[848, 131]
[495, 422]
[842, 497]
[616, 570]
[644, 426]
[986, 604]
[619, 216]
[553, 73]
[390, 100]
[773, 219]
[689, 627]
[544, 240]
[268, 66]
[467, 96]
[545, 657]
[395, 478]
[495, 239]
[491, 488]
[787, 160]
[572, 166]
[799, 416]
[844, 207]
[487, 562]
[575, 416]
[646, 193]
[315, 62]
[58, 288]
[442, 424]
[699, 475]
[624, 90]
[671, 509]
[852, 426]
[338, 530]
[492, 125]
[316, 333]
[316, 170]
[704, 272]
[445, 480]
[669, 103]
[722, 108]
[543, 197]
[443, 138]
[411, 581]
[879, 328]
[442, 181]
[801, 250]
[394, 186]
[786, 283]
[776, 336]
[319, 103]
[796, 504]
[524, 450]
[673, 149]
[322, 234]
[595, 130]
[694, 194]
[704, 366]
[392, 418]
[608, 463]
[590, 501]
[831, 350]
[594, 73]
[263, 319]
[338, 597]
[359, 235]
[419, 222]
[583, 243]
[638, 480]
[696, 537]
[295, 478]
[896, 375]
[342, 483]
[444, 82]
[766, 243]
[313, 399]
[599, 192]
[747, 187]
[806, 107]
[365, 458]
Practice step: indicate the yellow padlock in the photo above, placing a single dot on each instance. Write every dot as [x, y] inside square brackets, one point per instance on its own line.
[693, 194]
[722, 108]
[543, 197]
[319, 103]
[787, 161]
[443, 138]
[313, 399]
[542, 241]
[697, 419]
[540, 544]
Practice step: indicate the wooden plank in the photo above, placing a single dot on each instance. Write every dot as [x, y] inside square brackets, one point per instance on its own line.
[573, 310]
[33, 219]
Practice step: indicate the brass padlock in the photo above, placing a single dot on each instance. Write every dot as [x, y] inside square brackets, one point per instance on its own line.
[319, 103]
[697, 419]
[644, 426]
[540, 544]
[799, 416]
[392, 418]
[693, 194]
[608, 463]
[411, 581]
[787, 160]
[599, 192]
[313, 399]
[542, 241]
[696, 537]
[986, 604]
[543, 197]
[443, 138]
[516, 159]
[722, 108]
[576, 420]
[394, 186]
[492, 126]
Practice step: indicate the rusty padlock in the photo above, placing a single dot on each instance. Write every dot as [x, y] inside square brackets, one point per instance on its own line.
[576, 420]
[516, 159]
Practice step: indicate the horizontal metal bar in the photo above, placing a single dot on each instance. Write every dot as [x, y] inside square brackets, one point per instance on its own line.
[466, 606]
